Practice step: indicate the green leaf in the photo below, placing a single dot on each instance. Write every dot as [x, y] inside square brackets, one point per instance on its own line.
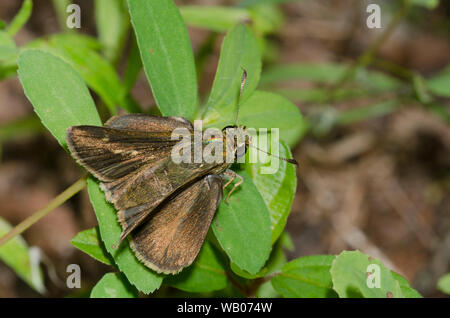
[352, 115]
[242, 227]
[266, 18]
[26, 126]
[8, 49]
[440, 83]
[113, 24]
[167, 55]
[306, 277]
[58, 94]
[326, 73]
[206, 274]
[215, 18]
[113, 285]
[421, 90]
[239, 51]
[21, 18]
[266, 110]
[350, 272]
[429, 4]
[277, 189]
[16, 254]
[60, 7]
[89, 242]
[444, 284]
[137, 274]
[407, 290]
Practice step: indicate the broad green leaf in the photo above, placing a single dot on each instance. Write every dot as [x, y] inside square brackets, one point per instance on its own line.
[440, 83]
[16, 254]
[306, 277]
[275, 262]
[206, 274]
[57, 92]
[21, 17]
[239, 51]
[214, 18]
[407, 290]
[60, 7]
[444, 284]
[89, 241]
[134, 66]
[137, 274]
[440, 110]
[242, 227]
[350, 272]
[327, 73]
[113, 24]
[96, 71]
[277, 189]
[113, 285]
[167, 55]
[266, 110]
[429, 4]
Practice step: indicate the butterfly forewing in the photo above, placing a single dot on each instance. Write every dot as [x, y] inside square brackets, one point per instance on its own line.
[170, 238]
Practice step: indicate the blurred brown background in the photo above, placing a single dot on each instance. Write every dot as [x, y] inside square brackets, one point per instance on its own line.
[381, 186]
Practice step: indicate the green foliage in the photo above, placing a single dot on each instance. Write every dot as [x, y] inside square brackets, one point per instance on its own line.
[350, 272]
[219, 19]
[113, 285]
[277, 189]
[306, 277]
[242, 227]
[137, 274]
[245, 248]
[429, 4]
[58, 94]
[166, 54]
[444, 284]
[16, 254]
[21, 18]
[113, 24]
[440, 83]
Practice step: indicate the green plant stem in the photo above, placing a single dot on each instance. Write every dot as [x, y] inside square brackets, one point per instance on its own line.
[367, 57]
[35, 217]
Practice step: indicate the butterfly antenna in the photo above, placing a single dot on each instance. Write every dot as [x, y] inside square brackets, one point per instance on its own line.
[293, 161]
[244, 77]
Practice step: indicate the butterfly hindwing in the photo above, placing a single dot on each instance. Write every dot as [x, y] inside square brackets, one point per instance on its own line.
[170, 238]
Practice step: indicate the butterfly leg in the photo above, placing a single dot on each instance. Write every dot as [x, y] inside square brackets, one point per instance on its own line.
[233, 175]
